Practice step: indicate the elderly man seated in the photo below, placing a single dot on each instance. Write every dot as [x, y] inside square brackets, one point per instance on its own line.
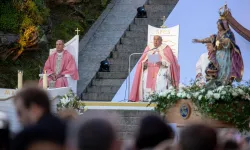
[59, 64]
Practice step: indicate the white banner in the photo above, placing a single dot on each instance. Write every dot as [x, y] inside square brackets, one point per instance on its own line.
[170, 36]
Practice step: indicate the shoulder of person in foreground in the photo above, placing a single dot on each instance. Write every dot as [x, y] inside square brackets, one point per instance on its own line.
[34, 134]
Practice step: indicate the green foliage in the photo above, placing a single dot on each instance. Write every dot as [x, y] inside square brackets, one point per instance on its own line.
[15, 15]
[229, 104]
[31, 63]
[65, 30]
[33, 12]
[104, 3]
[18, 14]
[9, 18]
[164, 101]
[65, 20]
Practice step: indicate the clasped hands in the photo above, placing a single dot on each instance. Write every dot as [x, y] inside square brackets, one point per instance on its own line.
[55, 76]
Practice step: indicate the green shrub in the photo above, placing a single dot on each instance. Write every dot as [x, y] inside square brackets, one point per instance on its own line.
[9, 18]
[65, 30]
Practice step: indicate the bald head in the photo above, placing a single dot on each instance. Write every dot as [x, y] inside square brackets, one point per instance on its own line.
[157, 41]
[59, 46]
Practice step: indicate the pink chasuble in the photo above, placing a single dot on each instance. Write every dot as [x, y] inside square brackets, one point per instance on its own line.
[68, 66]
[167, 55]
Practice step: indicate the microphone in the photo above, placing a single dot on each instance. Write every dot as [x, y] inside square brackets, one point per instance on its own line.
[150, 50]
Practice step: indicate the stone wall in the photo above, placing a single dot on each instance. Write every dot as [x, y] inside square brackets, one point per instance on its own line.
[128, 121]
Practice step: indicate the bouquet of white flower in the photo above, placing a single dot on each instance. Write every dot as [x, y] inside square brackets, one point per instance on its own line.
[70, 101]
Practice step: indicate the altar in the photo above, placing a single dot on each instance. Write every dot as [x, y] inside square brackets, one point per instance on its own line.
[6, 103]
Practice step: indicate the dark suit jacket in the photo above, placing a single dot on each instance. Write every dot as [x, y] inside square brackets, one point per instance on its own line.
[48, 128]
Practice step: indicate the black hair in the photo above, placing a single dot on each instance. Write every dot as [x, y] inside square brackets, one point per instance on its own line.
[198, 137]
[34, 95]
[152, 131]
[95, 134]
[221, 24]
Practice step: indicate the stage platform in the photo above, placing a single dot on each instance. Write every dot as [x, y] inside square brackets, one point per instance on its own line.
[119, 105]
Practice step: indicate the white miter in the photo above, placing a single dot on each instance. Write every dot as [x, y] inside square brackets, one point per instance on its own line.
[165, 63]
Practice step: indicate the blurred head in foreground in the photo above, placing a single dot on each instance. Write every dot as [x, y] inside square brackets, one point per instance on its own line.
[198, 137]
[31, 104]
[4, 132]
[152, 131]
[94, 130]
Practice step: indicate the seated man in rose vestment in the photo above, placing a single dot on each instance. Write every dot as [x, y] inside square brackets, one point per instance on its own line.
[155, 77]
[59, 64]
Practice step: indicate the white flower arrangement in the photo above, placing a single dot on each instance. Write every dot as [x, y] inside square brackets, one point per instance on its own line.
[70, 101]
[224, 103]
[214, 94]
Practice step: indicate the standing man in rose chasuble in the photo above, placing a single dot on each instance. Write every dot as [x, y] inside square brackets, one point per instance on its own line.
[59, 64]
[157, 70]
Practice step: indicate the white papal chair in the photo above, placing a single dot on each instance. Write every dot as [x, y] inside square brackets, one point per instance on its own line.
[72, 47]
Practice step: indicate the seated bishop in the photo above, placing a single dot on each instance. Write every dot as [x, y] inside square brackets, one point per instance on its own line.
[59, 64]
[156, 71]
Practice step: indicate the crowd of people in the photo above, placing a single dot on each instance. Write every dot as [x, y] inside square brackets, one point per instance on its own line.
[98, 130]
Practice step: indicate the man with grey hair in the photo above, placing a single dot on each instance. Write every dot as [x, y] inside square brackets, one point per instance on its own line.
[157, 71]
[59, 64]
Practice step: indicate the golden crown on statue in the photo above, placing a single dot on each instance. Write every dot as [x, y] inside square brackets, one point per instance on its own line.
[224, 11]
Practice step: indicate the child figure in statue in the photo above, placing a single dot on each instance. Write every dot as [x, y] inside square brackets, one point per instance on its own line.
[226, 64]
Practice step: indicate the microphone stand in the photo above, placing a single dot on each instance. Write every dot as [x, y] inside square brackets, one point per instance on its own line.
[130, 69]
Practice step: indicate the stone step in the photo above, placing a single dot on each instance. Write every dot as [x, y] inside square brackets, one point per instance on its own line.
[118, 54]
[111, 75]
[150, 21]
[158, 14]
[139, 28]
[107, 82]
[133, 41]
[103, 89]
[162, 2]
[98, 96]
[124, 60]
[158, 8]
[119, 68]
[142, 28]
[135, 34]
[112, 27]
[131, 49]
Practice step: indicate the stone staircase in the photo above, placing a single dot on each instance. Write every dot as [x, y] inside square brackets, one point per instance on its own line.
[105, 84]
